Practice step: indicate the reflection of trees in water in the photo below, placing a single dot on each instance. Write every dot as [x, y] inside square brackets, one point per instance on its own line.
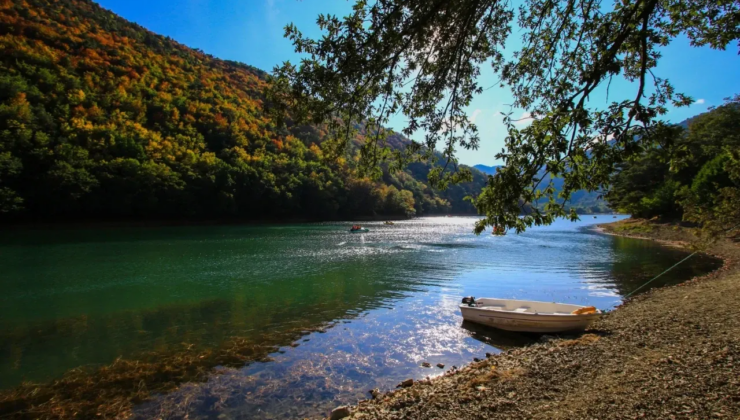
[636, 261]
[110, 390]
[174, 344]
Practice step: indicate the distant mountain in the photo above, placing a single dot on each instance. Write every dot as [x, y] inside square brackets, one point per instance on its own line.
[488, 170]
[584, 202]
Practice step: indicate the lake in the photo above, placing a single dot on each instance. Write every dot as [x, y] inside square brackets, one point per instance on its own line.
[328, 314]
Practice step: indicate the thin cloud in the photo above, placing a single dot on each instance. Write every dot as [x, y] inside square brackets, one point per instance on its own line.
[475, 115]
[700, 101]
[271, 10]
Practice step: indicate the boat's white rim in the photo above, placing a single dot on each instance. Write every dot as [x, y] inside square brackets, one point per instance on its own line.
[519, 315]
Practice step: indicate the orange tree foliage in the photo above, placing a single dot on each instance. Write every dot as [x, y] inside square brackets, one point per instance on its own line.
[100, 118]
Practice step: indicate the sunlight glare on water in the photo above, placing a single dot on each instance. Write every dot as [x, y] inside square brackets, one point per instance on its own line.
[337, 313]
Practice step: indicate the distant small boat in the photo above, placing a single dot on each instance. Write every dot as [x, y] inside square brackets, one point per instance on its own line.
[389, 223]
[359, 230]
[528, 315]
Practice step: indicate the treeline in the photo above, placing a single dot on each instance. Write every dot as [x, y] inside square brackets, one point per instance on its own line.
[100, 118]
[695, 177]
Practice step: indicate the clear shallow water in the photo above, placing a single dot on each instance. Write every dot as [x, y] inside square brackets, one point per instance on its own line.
[337, 313]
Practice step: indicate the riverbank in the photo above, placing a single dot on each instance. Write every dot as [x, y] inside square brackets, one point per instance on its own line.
[672, 352]
[22, 225]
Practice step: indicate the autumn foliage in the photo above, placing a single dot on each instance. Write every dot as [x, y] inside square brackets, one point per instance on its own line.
[100, 118]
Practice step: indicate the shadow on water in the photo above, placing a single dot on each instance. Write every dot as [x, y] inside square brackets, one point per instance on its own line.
[500, 339]
[634, 262]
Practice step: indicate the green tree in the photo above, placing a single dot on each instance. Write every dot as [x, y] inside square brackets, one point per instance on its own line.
[712, 199]
[423, 58]
[9, 168]
[637, 188]
[697, 179]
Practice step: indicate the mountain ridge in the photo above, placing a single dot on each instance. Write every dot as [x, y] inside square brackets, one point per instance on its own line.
[584, 202]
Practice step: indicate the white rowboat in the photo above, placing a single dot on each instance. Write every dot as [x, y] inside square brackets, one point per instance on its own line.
[526, 315]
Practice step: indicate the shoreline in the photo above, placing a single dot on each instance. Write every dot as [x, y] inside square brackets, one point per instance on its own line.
[188, 223]
[116, 224]
[9, 225]
[602, 229]
[660, 354]
[665, 234]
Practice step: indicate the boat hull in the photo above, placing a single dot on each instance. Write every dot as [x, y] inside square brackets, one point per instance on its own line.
[364, 230]
[511, 320]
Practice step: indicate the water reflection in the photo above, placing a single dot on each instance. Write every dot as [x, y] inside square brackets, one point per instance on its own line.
[39, 349]
[499, 339]
[636, 262]
[336, 314]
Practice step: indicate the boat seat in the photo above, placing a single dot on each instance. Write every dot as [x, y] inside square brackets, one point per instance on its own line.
[523, 309]
[496, 307]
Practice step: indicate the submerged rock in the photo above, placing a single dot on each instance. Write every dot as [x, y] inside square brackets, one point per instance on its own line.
[441, 365]
[426, 364]
[340, 413]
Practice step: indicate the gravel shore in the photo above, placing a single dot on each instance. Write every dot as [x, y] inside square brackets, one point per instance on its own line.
[670, 353]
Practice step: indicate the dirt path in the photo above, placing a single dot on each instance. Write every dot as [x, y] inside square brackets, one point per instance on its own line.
[669, 353]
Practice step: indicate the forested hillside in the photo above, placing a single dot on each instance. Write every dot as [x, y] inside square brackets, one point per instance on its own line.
[696, 178]
[102, 119]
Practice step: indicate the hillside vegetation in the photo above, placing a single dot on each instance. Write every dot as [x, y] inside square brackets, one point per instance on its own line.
[102, 119]
[695, 177]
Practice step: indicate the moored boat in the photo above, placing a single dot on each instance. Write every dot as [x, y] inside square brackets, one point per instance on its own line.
[528, 315]
[388, 222]
[358, 229]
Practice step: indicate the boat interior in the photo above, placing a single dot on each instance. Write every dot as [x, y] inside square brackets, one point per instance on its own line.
[526, 307]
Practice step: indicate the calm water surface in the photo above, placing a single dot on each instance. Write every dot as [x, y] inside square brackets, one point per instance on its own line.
[337, 313]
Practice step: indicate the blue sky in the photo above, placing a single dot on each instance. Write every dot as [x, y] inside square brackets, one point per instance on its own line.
[251, 31]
